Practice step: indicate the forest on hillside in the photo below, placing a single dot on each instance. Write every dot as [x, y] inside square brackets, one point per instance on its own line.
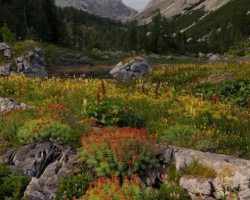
[41, 20]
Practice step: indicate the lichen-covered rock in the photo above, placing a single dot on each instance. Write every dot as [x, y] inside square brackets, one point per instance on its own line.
[135, 67]
[5, 70]
[234, 173]
[7, 104]
[4, 46]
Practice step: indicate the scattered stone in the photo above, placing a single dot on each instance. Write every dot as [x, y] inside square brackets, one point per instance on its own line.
[7, 53]
[7, 104]
[201, 55]
[170, 57]
[135, 67]
[214, 58]
[105, 57]
[5, 70]
[3, 46]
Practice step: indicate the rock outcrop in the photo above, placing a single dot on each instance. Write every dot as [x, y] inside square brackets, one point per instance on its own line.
[44, 162]
[33, 64]
[233, 173]
[132, 68]
[114, 9]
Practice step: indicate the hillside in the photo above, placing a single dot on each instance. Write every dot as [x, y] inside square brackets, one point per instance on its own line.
[114, 9]
[171, 8]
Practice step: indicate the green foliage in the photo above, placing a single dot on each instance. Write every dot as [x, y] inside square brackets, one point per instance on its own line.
[9, 126]
[121, 151]
[4, 169]
[13, 186]
[108, 114]
[179, 135]
[167, 192]
[208, 146]
[7, 35]
[74, 186]
[43, 129]
[200, 170]
[52, 52]
[173, 175]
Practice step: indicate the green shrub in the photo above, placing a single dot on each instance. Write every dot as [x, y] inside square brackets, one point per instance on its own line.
[9, 126]
[166, 192]
[108, 114]
[121, 151]
[13, 185]
[4, 169]
[180, 135]
[73, 186]
[43, 129]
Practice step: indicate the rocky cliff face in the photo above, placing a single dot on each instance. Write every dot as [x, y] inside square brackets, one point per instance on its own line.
[31, 64]
[170, 8]
[114, 9]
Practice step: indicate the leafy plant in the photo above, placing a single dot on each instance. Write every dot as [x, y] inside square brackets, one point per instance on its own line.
[108, 114]
[74, 186]
[13, 185]
[167, 192]
[43, 129]
[121, 151]
[4, 169]
[179, 135]
[109, 189]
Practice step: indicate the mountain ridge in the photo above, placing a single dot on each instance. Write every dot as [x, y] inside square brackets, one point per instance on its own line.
[171, 8]
[114, 9]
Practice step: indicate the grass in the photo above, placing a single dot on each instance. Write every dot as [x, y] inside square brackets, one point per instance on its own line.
[198, 169]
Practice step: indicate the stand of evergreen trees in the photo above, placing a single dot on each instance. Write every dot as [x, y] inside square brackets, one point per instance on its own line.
[41, 20]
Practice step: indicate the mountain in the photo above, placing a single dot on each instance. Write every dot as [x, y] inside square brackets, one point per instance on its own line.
[171, 8]
[114, 9]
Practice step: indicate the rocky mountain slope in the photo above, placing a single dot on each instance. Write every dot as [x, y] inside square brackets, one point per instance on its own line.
[114, 9]
[171, 8]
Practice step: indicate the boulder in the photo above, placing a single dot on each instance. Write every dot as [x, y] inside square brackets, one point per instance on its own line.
[201, 55]
[135, 67]
[170, 57]
[214, 58]
[105, 57]
[7, 53]
[5, 70]
[7, 104]
[3, 46]
[45, 163]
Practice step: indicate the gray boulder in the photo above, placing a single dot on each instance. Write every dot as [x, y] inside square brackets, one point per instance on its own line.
[214, 58]
[232, 172]
[5, 70]
[170, 57]
[135, 67]
[7, 53]
[105, 57]
[7, 104]
[33, 64]
[3, 46]
[45, 163]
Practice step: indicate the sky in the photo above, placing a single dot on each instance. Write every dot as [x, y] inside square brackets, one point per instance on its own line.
[138, 5]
